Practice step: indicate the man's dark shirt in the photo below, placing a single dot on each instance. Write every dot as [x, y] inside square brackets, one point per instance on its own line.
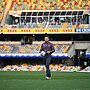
[47, 46]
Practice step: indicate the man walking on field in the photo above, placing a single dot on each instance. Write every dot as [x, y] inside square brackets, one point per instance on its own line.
[48, 48]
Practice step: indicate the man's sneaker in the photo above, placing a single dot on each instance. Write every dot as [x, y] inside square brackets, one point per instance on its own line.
[48, 78]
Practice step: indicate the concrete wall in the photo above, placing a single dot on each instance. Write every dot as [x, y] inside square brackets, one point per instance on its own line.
[82, 45]
[71, 51]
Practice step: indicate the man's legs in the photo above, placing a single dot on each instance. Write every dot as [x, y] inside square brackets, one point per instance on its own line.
[48, 59]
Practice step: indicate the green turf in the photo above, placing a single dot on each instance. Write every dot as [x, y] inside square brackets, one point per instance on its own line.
[36, 81]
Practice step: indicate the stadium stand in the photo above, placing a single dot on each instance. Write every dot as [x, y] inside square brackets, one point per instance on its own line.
[34, 48]
[21, 5]
[47, 19]
[36, 67]
[2, 8]
[50, 4]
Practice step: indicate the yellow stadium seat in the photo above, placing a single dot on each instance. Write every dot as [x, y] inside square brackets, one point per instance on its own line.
[65, 24]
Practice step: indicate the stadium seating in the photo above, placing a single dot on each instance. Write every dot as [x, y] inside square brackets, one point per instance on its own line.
[17, 5]
[50, 4]
[2, 8]
[64, 25]
[36, 67]
[34, 48]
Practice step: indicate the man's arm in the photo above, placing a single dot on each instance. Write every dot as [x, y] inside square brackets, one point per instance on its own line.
[52, 49]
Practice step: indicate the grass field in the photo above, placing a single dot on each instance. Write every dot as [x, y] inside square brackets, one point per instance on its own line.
[36, 81]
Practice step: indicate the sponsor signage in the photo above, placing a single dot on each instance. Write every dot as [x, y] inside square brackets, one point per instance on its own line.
[82, 30]
[37, 31]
